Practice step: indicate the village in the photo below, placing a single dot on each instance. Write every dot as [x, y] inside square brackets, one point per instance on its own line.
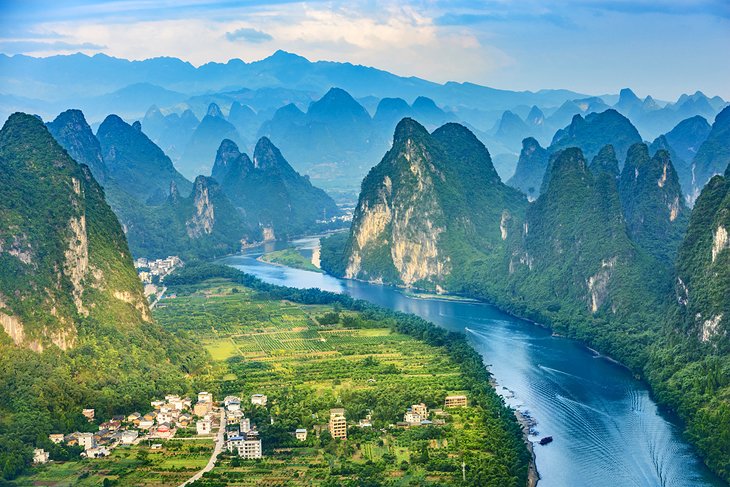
[236, 433]
[152, 273]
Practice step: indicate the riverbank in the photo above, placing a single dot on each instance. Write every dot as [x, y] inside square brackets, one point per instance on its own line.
[533, 476]
[573, 393]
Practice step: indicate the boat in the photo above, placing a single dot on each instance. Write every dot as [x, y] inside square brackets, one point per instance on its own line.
[546, 440]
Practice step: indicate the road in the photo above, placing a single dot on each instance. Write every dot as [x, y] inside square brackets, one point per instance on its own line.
[159, 296]
[220, 441]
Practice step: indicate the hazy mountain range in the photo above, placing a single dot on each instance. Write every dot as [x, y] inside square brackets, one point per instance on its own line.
[335, 134]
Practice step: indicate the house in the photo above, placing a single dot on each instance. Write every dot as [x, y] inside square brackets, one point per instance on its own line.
[129, 437]
[145, 424]
[40, 455]
[202, 408]
[88, 414]
[420, 409]
[56, 438]
[247, 445]
[412, 418]
[338, 423]
[205, 397]
[183, 420]
[157, 404]
[232, 403]
[165, 417]
[96, 452]
[156, 446]
[204, 426]
[259, 400]
[301, 434]
[86, 440]
[455, 401]
[110, 425]
[163, 431]
[150, 416]
[133, 417]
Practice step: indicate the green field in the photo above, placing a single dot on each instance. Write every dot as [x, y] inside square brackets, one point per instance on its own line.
[290, 258]
[127, 465]
[310, 358]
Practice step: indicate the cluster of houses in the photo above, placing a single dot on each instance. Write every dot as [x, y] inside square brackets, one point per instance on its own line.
[418, 414]
[242, 438]
[160, 423]
[415, 415]
[151, 271]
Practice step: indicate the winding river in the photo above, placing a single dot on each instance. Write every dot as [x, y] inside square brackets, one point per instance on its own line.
[607, 430]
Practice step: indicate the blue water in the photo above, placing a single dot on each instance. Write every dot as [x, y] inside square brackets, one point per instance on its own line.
[607, 430]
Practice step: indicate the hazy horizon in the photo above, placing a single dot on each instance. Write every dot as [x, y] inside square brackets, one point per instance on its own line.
[661, 48]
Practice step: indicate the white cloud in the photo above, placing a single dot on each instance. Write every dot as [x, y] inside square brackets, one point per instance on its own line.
[395, 38]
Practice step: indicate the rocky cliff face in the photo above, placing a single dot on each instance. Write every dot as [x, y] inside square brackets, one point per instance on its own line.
[203, 219]
[400, 225]
[433, 203]
[64, 257]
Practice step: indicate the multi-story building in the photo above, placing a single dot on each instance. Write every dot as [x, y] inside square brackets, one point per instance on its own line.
[86, 440]
[246, 446]
[338, 423]
[420, 409]
[204, 426]
[301, 434]
[455, 401]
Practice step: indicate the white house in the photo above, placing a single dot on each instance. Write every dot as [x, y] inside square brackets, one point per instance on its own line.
[205, 397]
[301, 434]
[129, 436]
[232, 403]
[87, 440]
[244, 446]
[204, 426]
[40, 455]
[259, 399]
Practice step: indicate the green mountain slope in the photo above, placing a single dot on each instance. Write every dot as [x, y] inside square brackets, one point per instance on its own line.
[595, 131]
[73, 133]
[690, 367]
[64, 255]
[76, 329]
[270, 192]
[135, 164]
[433, 204]
[713, 155]
[530, 169]
[652, 202]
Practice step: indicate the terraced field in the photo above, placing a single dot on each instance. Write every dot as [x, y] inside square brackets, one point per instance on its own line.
[310, 358]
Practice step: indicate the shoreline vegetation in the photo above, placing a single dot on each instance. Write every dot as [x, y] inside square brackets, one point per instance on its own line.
[501, 453]
[289, 258]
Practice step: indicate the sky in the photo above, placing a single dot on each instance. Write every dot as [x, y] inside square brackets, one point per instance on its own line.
[661, 47]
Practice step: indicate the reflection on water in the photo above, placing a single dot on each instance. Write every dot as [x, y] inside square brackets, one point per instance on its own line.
[607, 430]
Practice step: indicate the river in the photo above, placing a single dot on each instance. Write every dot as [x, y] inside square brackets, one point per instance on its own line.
[607, 430]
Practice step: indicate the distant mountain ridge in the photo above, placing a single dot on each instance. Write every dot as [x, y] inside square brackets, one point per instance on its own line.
[163, 213]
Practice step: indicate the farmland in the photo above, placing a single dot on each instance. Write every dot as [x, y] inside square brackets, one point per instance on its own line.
[309, 358]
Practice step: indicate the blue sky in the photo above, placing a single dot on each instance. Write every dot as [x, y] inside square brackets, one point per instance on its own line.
[662, 48]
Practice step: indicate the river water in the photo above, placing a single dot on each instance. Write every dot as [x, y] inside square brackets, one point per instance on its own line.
[607, 430]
